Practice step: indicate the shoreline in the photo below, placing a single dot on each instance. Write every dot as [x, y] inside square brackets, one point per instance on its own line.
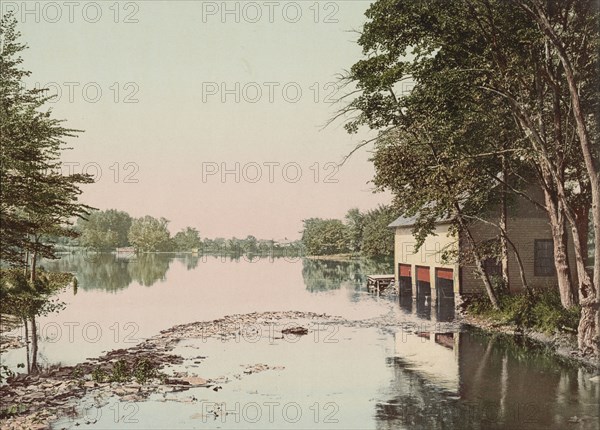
[561, 345]
[334, 257]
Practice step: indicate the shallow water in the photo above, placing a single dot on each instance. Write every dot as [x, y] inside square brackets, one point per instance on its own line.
[425, 375]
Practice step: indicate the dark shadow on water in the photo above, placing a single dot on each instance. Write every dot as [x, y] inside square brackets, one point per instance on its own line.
[444, 309]
[472, 380]
[423, 305]
[406, 303]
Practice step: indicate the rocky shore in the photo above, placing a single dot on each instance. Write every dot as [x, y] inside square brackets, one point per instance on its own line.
[133, 374]
[155, 367]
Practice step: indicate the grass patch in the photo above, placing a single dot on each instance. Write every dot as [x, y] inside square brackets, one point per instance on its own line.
[12, 411]
[122, 371]
[541, 310]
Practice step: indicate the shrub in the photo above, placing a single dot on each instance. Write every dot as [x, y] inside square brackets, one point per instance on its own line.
[540, 310]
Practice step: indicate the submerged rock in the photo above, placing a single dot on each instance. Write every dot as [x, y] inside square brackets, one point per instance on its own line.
[299, 331]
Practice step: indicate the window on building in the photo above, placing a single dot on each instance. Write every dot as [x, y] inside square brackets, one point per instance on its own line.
[543, 256]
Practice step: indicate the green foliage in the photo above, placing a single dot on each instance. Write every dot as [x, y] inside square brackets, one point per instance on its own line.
[187, 239]
[149, 234]
[541, 310]
[325, 236]
[15, 409]
[141, 370]
[105, 230]
[365, 233]
[378, 238]
[144, 370]
[490, 100]
[21, 297]
[99, 375]
[355, 220]
[37, 200]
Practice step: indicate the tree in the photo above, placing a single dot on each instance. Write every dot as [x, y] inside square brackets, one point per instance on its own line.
[378, 238]
[187, 239]
[36, 200]
[105, 230]
[250, 244]
[325, 237]
[26, 299]
[148, 234]
[355, 220]
[528, 62]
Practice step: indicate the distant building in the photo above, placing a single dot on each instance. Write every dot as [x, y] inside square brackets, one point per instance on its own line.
[423, 273]
[126, 250]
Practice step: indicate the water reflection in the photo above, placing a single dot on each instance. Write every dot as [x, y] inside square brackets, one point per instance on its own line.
[445, 309]
[325, 275]
[406, 303]
[115, 272]
[423, 304]
[418, 378]
[472, 380]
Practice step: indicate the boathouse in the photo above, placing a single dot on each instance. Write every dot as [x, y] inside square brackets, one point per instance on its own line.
[424, 273]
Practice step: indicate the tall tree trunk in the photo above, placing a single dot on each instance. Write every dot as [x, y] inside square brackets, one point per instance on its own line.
[504, 225]
[26, 325]
[588, 329]
[478, 260]
[589, 291]
[33, 273]
[34, 346]
[558, 229]
[26, 264]
[582, 219]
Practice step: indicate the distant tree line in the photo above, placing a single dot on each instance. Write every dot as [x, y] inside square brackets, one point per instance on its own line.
[107, 230]
[364, 233]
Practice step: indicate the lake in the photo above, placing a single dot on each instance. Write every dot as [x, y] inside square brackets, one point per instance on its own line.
[421, 371]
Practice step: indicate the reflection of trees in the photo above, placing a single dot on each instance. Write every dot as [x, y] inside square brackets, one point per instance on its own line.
[324, 275]
[108, 272]
[503, 385]
[146, 269]
[189, 260]
[94, 271]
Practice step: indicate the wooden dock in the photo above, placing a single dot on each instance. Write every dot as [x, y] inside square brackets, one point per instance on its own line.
[378, 283]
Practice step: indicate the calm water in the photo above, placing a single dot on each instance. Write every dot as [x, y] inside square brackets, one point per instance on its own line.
[434, 377]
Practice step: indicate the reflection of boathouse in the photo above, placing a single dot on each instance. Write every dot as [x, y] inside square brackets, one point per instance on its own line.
[434, 356]
[446, 380]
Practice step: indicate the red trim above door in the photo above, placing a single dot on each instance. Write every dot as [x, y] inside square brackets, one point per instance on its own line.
[423, 274]
[404, 270]
[445, 274]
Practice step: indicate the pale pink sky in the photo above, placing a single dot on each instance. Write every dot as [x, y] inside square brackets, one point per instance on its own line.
[186, 91]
